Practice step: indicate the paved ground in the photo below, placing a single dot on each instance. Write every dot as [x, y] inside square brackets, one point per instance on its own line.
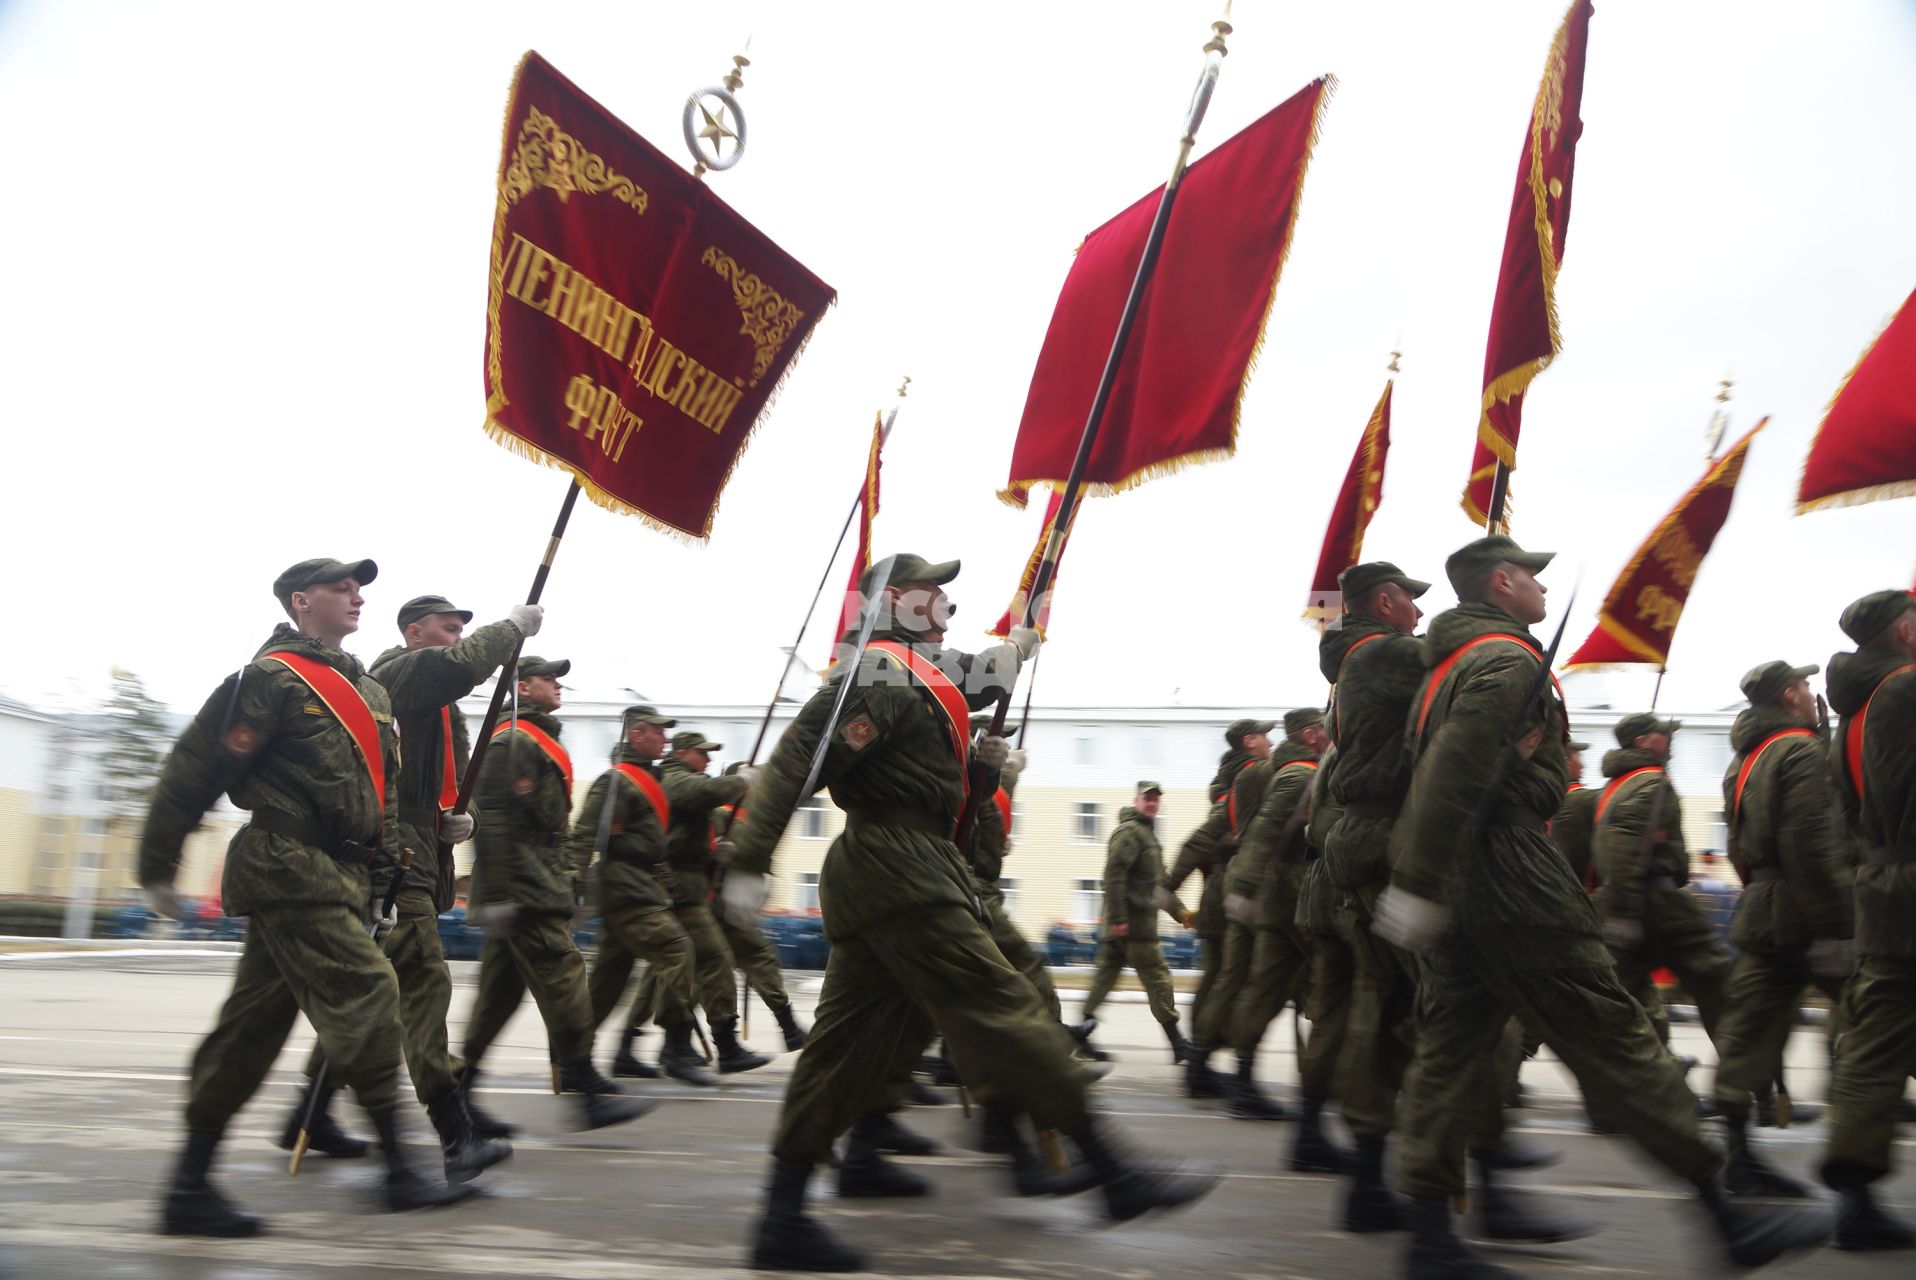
[92, 1055]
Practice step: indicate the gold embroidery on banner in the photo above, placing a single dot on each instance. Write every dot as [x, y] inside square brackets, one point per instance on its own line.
[769, 318]
[548, 156]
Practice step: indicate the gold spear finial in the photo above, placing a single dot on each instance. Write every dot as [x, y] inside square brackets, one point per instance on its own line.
[903, 385]
[736, 76]
[1219, 30]
[1394, 357]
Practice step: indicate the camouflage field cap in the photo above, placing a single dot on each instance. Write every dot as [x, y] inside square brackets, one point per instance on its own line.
[1149, 788]
[692, 740]
[1302, 718]
[1761, 683]
[531, 666]
[309, 573]
[1875, 613]
[910, 568]
[1242, 729]
[1632, 727]
[1360, 580]
[1474, 559]
[421, 607]
[642, 714]
[1574, 745]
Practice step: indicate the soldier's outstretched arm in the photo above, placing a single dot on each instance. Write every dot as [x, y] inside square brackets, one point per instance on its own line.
[422, 680]
[768, 806]
[698, 791]
[1196, 852]
[985, 676]
[214, 753]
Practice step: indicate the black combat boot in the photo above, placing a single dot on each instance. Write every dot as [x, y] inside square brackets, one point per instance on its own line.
[1031, 1175]
[1745, 1173]
[1314, 1152]
[733, 1057]
[938, 1069]
[1435, 1251]
[882, 1132]
[997, 1131]
[867, 1174]
[1861, 1225]
[681, 1061]
[1133, 1187]
[788, 1239]
[1247, 1101]
[1512, 1154]
[405, 1188]
[1369, 1205]
[467, 1154]
[484, 1123]
[1755, 1236]
[194, 1206]
[1199, 1080]
[628, 1065]
[1181, 1050]
[1081, 1033]
[788, 1024]
[1503, 1214]
[601, 1103]
[324, 1135]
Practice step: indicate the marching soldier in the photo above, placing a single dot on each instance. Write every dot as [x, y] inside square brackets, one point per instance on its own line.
[752, 951]
[1327, 999]
[1793, 924]
[1574, 825]
[990, 846]
[425, 677]
[1649, 919]
[1265, 877]
[1873, 688]
[303, 737]
[910, 949]
[1133, 869]
[624, 819]
[1479, 888]
[522, 889]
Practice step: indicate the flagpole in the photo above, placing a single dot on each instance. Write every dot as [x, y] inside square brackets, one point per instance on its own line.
[1031, 686]
[1499, 492]
[765, 723]
[1214, 54]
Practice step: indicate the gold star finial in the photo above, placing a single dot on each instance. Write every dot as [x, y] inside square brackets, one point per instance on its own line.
[715, 126]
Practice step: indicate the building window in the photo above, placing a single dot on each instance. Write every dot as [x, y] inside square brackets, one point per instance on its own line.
[1086, 822]
[1008, 886]
[808, 891]
[1086, 752]
[1087, 900]
[812, 822]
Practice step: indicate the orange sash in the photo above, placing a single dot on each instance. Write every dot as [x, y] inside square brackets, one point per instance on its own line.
[1743, 774]
[547, 743]
[654, 792]
[348, 706]
[1853, 733]
[449, 782]
[1003, 802]
[949, 698]
[1230, 798]
[1603, 801]
[1337, 706]
[1439, 673]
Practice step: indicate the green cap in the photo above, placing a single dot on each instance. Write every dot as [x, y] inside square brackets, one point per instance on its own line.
[1574, 745]
[1360, 580]
[1874, 614]
[1474, 559]
[1762, 683]
[1147, 787]
[1242, 729]
[531, 666]
[642, 714]
[733, 768]
[692, 740]
[1295, 722]
[312, 572]
[1632, 727]
[421, 607]
[907, 567]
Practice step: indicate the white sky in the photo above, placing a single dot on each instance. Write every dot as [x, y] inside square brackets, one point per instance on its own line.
[245, 312]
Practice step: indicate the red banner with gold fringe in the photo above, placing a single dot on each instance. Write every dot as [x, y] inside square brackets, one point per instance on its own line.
[1524, 337]
[848, 613]
[1865, 447]
[1639, 616]
[1014, 613]
[1356, 503]
[636, 325]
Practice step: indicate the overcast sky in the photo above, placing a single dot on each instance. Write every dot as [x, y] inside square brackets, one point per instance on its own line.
[247, 273]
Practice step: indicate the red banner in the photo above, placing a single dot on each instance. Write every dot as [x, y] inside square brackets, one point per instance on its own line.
[1356, 503]
[1199, 325]
[1639, 616]
[636, 326]
[1015, 612]
[862, 559]
[1865, 448]
[1523, 320]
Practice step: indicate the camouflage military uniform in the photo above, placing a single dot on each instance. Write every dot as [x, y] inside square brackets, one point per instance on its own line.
[990, 840]
[1327, 999]
[267, 739]
[1573, 827]
[689, 848]
[1133, 869]
[752, 951]
[523, 801]
[1268, 870]
[1205, 852]
[1217, 1022]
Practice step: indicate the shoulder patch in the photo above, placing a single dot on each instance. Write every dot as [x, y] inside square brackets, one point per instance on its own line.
[858, 732]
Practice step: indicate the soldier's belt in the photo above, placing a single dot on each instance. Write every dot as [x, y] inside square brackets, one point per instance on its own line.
[1760, 874]
[1886, 854]
[347, 853]
[910, 819]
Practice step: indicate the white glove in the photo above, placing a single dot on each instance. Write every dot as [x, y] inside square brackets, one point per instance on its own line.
[1240, 909]
[1622, 934]
[455, 828]
[1408, 921]
[1017, 759]
[1025, 640]
[387, 923]
[1832, 957]
[744, 896]
[527, 618]
[749, 772]
[990, 751]
[164, 900]
[497, 916]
